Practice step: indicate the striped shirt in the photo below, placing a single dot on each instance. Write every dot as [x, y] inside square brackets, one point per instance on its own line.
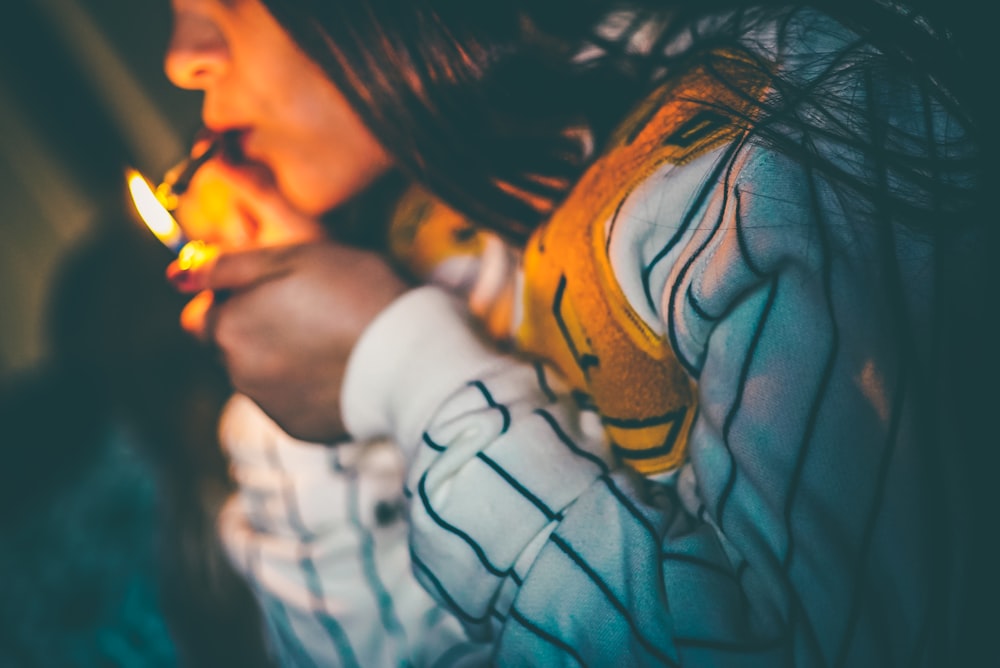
[320, 535]
[792, 532]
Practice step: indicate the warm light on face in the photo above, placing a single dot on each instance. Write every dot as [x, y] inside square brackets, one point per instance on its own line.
[153, 213]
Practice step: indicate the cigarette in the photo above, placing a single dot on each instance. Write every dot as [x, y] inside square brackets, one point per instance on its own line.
[206, 146]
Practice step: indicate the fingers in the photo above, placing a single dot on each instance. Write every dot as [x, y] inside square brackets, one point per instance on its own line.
[239, 206]
[234, 270]
[194, 260]
[195, 318]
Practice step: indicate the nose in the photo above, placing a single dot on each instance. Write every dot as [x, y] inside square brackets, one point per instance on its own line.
[197, 53]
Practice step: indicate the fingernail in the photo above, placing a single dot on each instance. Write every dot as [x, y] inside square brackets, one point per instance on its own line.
[181, 279]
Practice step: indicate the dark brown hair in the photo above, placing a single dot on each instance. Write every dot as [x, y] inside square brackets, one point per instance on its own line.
[469, 100]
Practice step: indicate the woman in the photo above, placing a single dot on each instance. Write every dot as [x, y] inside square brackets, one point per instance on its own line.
[742, 225]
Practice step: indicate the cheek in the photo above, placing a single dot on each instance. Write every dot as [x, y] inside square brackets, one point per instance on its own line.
[325, 154]
[331, 168]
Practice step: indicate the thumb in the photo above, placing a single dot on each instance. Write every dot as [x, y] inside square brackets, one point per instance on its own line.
[231, 270]
[195, 316]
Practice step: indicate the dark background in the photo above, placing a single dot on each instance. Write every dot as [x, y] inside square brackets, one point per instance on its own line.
[109, 469]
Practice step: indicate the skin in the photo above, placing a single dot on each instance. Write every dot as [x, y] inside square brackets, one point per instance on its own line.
[290, 117]
[296, 303]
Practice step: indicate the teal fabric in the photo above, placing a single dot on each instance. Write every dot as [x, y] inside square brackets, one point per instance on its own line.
[78, 531]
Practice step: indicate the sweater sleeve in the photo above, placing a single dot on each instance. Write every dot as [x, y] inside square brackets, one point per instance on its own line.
[519, 521]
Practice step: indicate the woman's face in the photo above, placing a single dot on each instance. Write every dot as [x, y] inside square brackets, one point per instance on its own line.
[287, 114]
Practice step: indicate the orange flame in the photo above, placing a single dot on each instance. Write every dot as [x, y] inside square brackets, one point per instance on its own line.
[153, 213]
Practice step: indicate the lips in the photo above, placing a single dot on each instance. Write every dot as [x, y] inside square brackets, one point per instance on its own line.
[232, 140]
[234, 146]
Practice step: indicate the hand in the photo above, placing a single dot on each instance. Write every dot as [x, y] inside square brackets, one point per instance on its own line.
[289, 323]
[236, 206]
[239, 206]
[284, 331]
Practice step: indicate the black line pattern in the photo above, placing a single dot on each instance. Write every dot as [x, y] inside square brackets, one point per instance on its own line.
[313, 583]
[546, 636]
[706, 189]
[430, 443]
[329, 624]
[727, 164]
[504, 411]
[720, 507]
[613, 224]
[451, 528]
[520, 489]
[665, 448]
[443, 593]
[699, 126]
[595, 577]
[543, 383]
[642, 423]
[386, 607]
[568, 442]
[745, 255]
[800, 624]
[697, 307]
[282, 627]
[275, 617]
[583, 360]
[288, 493]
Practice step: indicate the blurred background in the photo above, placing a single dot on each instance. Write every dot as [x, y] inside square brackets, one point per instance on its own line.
[109, 469]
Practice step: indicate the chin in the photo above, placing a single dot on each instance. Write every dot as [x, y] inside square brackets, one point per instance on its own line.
[316, 191]
[308, 200]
